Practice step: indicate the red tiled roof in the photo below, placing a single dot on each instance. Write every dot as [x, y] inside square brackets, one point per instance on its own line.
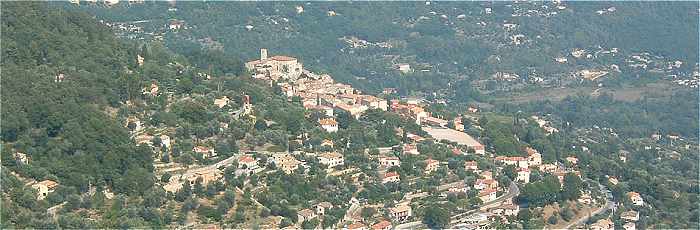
[486, 192]
[327, 121]
[283, 58]
[391, 174]
[381, 225]
[356, 226]
[246, 159]
[200, 149]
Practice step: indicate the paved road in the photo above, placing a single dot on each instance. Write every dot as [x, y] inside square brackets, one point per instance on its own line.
[609, 204]
[352, 211]
[411, 225]
[175, 182]
[513, 191]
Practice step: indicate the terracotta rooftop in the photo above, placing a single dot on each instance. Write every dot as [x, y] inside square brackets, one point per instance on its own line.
[328, 121]
[283, 58]
[381, 225]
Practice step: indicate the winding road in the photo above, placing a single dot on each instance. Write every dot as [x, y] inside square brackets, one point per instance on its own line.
[609, 204]
[513, 191]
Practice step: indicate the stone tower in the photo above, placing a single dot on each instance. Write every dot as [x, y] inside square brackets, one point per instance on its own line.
[263, 54]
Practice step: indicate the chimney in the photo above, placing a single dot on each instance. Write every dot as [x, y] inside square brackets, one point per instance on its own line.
[263, 54]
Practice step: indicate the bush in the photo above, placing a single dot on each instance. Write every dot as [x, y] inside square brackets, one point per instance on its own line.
[567, 214]
[165, 178]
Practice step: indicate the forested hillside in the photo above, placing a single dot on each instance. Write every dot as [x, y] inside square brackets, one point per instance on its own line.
[61, 72]
[91, 112]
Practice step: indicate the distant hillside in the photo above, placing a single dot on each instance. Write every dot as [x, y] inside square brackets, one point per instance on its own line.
[450, 41]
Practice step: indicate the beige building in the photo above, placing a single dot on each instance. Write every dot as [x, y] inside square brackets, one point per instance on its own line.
[285, 162]
[534, 158]
[630, 215]
[471, 166]
[304, 215]
[382, 225]
[374, 102]
[275, 67]
[401, 212]
[44, 187]
[431, 165]
[521, 162]
[391, 177]
[331, 159]
[389, 161]
[487, 195]
[247, 162]
[21, 158]
[635, 198]
[322, 207]
[523, 175]
[603, 224]
[329, 124]
[204, 151]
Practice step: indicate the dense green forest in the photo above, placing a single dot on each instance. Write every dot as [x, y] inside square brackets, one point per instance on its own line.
[676, 114]
[62, 123]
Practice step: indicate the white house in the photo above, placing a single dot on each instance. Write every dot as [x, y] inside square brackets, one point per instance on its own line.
[329, 124]
[322, 207]
[389, 161]
[635, 198]
[331, 159]
[391, 177]
[487, 195]
[45, 187]
[523, 175]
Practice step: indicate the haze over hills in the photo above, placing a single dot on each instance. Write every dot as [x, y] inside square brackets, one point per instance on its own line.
[344, 115]
[444, 42]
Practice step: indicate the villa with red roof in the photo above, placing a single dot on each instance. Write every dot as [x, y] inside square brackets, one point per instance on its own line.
[391, 177]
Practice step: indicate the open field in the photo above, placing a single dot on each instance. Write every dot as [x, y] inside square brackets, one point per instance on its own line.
[626, 93]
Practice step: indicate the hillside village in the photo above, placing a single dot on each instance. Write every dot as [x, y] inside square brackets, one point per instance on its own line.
[280, 144]
[485, 186]
[485, 183]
